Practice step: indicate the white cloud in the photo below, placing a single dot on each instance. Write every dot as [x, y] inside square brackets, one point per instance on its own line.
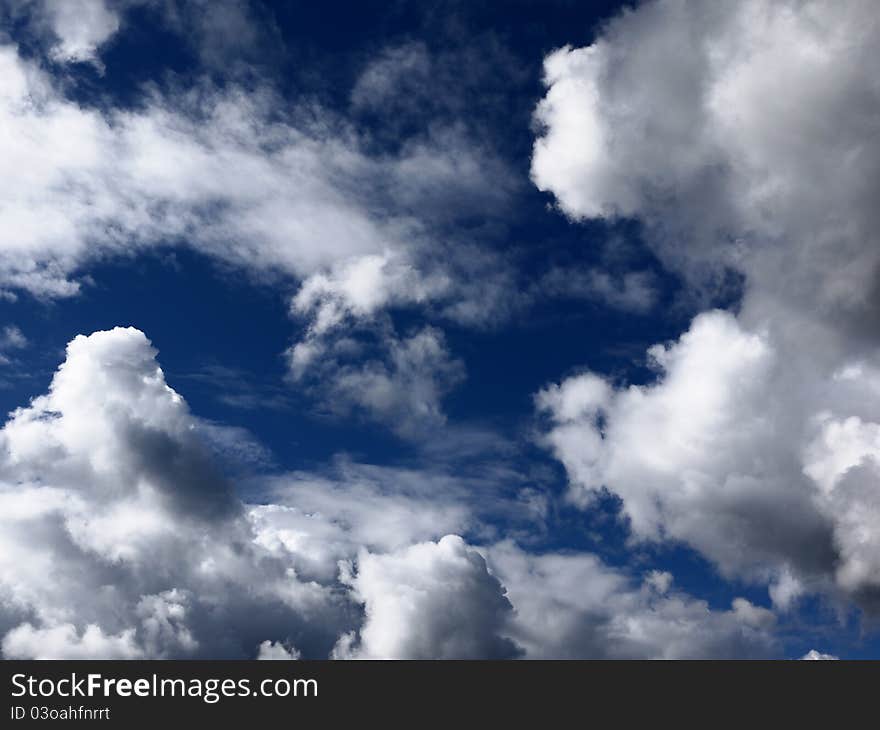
[763, 463]
[352, 296]
[11, 338]
[223, 33]
[402, 388]
[813, 655]
[115, 517]
[81, 27]
[282, 189]
[64, 642]
[358, 289]
[318, 521]
[436, 599]
[276, 650]
[720, 126]
[709, 454]
[433, 600]
[70, 31]
[289, 193]
[224, 178]
[119, 536]
[570, 605]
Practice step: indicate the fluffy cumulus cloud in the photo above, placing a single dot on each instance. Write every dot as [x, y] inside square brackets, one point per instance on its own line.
[719, 126]
[402, 386]
[277, 651]
[571, 606]
[122, 537]
[404, 381]
[714, 453]
[432, 600]
[813, 655]
[757, 442]
[119, 535]
[445, 599]
[352, 354]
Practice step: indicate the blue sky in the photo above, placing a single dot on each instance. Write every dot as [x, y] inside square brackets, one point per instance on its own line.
[553, 278]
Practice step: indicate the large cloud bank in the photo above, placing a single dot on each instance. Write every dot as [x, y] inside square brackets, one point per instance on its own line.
[122, 538]
[720, 127]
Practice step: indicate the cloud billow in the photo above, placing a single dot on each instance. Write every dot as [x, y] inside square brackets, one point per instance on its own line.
[122, 539]
[756, 442]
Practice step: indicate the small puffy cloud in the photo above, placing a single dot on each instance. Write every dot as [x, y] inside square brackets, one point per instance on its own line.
[433, 600]
[813, 655]
[276, 650]
[659, 580]
[402, 386]
[81, 27]
[358, 289]
[11, 338]
[404, 391]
